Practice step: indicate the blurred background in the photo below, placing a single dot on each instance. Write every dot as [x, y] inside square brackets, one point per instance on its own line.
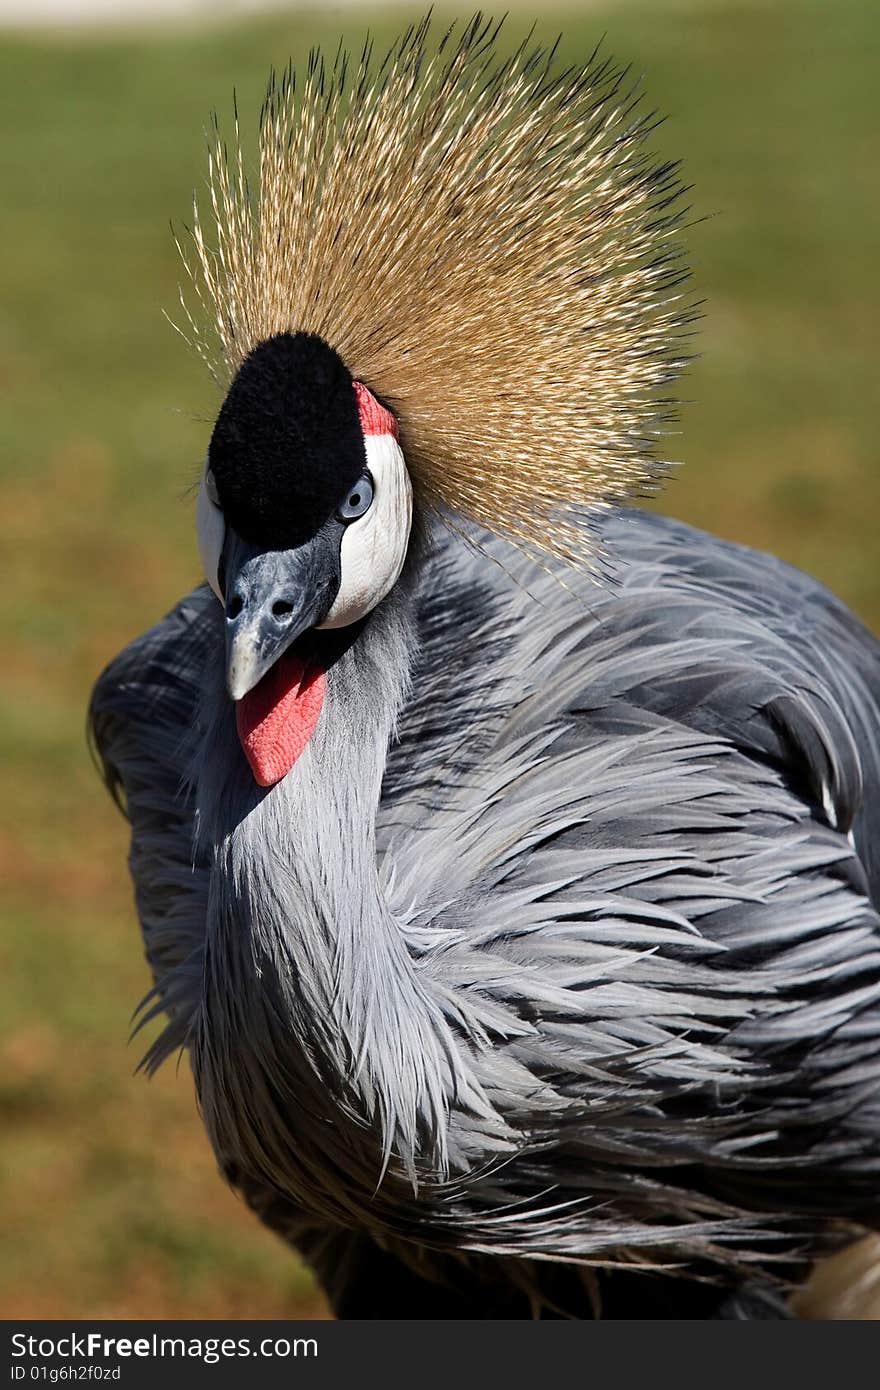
[109, 1201]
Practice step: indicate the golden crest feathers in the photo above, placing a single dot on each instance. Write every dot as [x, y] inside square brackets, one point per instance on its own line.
[490, 248]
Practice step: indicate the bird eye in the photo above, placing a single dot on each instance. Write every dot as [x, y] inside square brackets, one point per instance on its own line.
[358, 499]
[211, 488]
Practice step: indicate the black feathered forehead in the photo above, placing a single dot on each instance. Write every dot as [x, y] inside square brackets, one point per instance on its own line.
[288, 442]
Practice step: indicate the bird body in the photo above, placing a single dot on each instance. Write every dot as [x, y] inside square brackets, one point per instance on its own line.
[507, 858]
[582, 963]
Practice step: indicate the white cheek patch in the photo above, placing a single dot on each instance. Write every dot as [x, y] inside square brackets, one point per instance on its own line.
[374, 547]
[210, 534]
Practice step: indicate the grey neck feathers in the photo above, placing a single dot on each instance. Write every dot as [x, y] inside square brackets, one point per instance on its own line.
[314, 1010]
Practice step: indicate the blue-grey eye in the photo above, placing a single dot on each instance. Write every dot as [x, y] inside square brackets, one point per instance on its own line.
[358, 499]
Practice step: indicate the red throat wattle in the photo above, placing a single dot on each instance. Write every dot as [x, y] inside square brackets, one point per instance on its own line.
[276, 719]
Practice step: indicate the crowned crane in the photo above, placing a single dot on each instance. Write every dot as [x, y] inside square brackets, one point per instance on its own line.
[507, 858]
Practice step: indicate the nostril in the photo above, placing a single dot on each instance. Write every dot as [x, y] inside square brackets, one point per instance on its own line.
[282, 608]
[234, 606]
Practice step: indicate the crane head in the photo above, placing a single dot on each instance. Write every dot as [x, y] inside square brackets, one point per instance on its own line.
[303, 520]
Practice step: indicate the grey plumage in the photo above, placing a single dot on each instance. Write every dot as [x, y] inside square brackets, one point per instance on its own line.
[558, 948]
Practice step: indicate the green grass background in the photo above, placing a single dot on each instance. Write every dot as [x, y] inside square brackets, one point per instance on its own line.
[109, 1203]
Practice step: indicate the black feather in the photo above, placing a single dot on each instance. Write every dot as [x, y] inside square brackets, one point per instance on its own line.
[288, 443]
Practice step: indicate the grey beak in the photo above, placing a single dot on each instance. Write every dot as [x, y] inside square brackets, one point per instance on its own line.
[272, 597]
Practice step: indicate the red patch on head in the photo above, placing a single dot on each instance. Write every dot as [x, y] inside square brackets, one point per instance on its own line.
[276, 719]
[375, 419]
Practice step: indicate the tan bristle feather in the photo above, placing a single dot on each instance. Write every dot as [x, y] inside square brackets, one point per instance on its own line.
[488, 246]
